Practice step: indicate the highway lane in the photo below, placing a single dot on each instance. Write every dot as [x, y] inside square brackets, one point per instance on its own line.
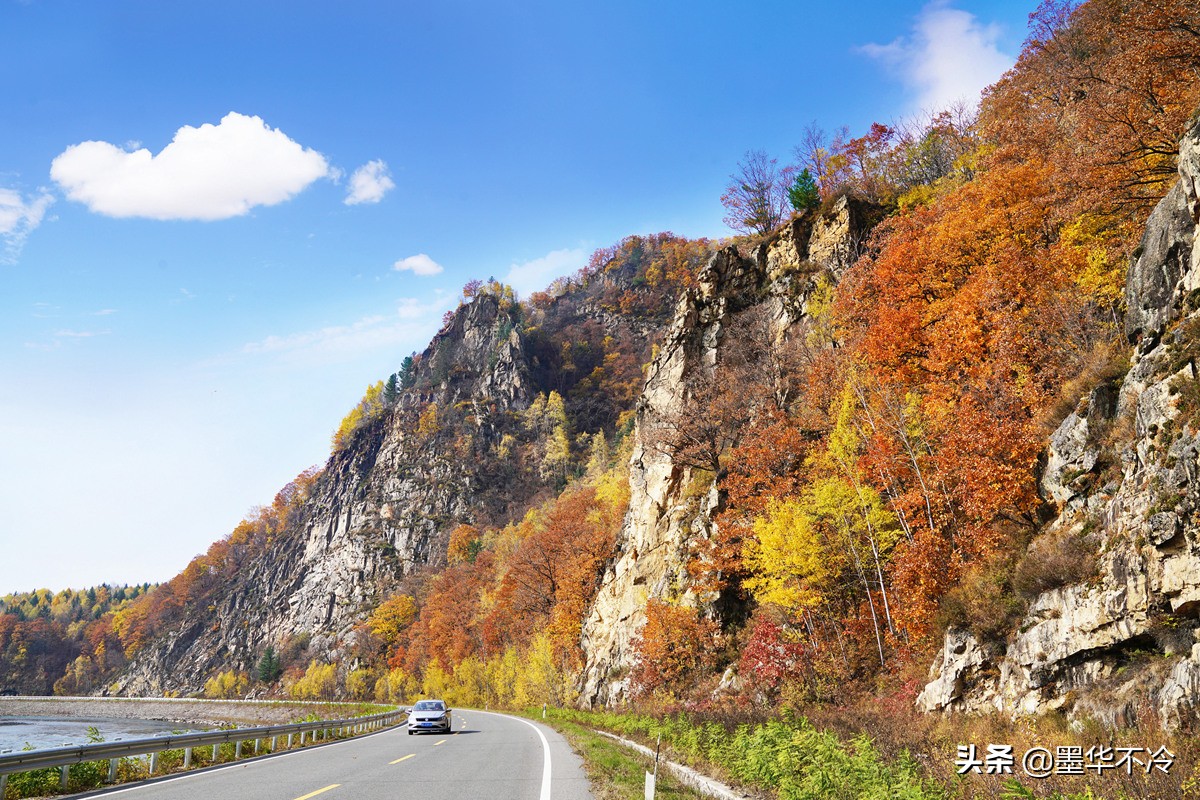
[488, 756]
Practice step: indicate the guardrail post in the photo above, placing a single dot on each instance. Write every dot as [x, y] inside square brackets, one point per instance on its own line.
[3, 783]
[256, 741]
[289, 744]
[63, 777]
[112, 771]
[187, 758]
[237, 750]
[273, 738]
[302, 736]
[216, 749]
[153, 762]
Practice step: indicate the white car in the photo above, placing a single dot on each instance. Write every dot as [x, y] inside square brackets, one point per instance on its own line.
[429, 715]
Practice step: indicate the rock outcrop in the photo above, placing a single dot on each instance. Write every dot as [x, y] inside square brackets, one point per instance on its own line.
[1124, 474]
[381, 509]
[666, 511]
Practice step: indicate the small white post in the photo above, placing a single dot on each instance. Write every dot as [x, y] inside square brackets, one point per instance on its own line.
[153, 762]
[237, 750]
[63, 777]
[652, 777]
[215, 751]
[112, 772]
[187, 758]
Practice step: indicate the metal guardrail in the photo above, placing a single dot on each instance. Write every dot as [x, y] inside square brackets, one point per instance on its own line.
[112, 752]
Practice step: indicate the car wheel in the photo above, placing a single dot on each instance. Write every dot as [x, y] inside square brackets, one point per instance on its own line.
[410, 733]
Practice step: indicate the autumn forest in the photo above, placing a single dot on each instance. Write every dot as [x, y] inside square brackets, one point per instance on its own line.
[870, 473]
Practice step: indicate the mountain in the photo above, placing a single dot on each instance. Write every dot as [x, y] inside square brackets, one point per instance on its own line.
[449, 449]
[902, 427]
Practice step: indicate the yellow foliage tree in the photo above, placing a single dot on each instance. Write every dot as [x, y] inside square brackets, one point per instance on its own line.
[226, 685]
[392, 617]
[319, 683]
[790, 565]
[427, 423]
[370, 407]
[359, 684]
[395, 686]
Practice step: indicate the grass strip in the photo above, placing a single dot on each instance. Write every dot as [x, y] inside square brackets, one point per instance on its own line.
[616, 772]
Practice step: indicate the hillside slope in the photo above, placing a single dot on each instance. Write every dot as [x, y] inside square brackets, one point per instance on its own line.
[1111, 629]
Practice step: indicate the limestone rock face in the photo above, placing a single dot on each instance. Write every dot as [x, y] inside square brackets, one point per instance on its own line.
[956, 672]
[839, 237]
[665, 514]
[1124, 643]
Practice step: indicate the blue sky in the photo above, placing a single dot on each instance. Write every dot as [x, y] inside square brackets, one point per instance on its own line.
[220, 222]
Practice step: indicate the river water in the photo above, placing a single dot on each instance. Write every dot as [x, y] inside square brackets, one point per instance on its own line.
[47, 732]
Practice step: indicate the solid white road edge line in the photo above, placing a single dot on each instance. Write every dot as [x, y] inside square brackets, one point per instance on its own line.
[545, 795]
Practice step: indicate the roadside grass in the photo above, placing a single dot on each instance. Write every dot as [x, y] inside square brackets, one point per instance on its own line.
[785, 758]
[615, 772]
[889, 754]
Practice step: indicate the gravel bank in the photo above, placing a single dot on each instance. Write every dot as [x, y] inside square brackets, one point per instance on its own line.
[196, 712]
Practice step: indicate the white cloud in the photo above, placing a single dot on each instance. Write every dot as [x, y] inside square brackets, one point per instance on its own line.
[206, 173]
[420, 264]
[369, 183]
[18, 218]
[536, 275]
[950, 56]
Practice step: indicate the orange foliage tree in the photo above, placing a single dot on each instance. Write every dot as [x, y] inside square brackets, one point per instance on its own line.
[675, 649]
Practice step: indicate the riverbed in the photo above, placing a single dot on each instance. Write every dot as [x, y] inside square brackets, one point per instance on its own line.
[46, 732]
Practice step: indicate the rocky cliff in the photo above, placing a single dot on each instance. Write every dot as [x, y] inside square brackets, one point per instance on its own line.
[381, 509]
[666, 512]
[1113, 634]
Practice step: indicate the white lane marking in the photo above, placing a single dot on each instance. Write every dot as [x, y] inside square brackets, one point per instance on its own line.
[545, 795]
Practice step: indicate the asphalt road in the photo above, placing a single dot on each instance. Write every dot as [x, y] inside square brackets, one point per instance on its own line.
[488, 755]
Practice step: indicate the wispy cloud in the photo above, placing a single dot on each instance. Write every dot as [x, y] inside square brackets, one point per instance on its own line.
[535, 275]
[369, 183]
[949, 57]
[420, 264]
[411, 320]
[208, 173]
[19, 216]
[73, 334]
[62, 335]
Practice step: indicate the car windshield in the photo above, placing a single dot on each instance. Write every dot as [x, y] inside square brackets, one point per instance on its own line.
[429, 705]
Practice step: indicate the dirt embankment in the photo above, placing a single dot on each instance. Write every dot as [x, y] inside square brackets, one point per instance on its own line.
[197, 712]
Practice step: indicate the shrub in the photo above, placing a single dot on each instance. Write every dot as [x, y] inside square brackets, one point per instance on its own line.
[1055, 559]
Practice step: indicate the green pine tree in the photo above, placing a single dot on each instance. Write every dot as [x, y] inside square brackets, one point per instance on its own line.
[803, 193]
[269, 668]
